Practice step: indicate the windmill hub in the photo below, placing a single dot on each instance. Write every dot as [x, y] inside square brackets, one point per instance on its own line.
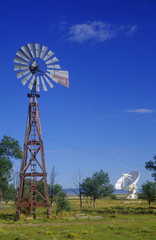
[34, 69]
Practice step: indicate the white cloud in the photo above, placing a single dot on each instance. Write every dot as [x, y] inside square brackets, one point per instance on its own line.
[98, 31]
[140, 110]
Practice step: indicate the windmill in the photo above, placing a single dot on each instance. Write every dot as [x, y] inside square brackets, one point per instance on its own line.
[36, 66]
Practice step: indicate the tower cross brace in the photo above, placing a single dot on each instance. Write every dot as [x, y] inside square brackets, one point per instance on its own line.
[33, 169]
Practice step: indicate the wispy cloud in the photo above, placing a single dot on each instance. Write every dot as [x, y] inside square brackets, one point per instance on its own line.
[132, 30]
[140, 111]
[98, 31]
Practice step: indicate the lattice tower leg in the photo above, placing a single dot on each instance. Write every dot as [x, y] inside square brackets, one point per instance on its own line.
[29, 173]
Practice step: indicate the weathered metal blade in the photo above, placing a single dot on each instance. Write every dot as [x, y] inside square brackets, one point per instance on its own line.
[52, 60]
[38, 84]
[43, 84]
[38, 49]
[26, 79]
[50, 84]
[30, 86]
[32, 49]
[22, 55]
[62, 77]
[57, 66]
[20, 67]
[26, 50]
[50, 76]
[22, 73]
[48, 55]
[43, 51]
[20, 60]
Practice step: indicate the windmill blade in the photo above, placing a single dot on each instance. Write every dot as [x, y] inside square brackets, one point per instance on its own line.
[43, 51]
[38, 49]
[26, 50]
[52, 60]
[62, 77]
[51, 77]
[57, 66]
[30, 86]
[20, 60]
[43, 84]
[38, 84]
[22, 55]
[26, 79]
[48, 55]
[20, 67]
[32, 49]
[50, 84]
[22, 73]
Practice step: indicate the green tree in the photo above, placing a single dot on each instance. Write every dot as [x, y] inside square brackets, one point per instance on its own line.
[9, 148]
[151, 166]
[57, 190]
[97, 186]
[148, 192]
[10, 193]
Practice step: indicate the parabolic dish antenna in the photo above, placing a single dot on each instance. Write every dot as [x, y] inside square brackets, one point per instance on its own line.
[128, 182]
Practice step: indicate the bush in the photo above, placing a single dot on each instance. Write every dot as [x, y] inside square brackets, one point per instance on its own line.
[113, 197]
[48, 232]
[71, 235]
[62, 203]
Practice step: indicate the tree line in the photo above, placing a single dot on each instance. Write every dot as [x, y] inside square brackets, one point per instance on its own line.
[95, 187]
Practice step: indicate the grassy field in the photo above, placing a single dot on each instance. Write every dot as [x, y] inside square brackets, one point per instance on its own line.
[112, 219]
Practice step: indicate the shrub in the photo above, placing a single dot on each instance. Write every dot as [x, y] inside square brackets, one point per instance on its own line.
[113, 197]
[62, 203]
[85, 232]
[71, 235]
[48, 233]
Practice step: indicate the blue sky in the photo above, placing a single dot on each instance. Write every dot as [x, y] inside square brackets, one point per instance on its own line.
[107, 118]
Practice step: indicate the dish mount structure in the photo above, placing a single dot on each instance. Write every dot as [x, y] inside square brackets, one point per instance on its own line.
[128, 182]
[35, 66]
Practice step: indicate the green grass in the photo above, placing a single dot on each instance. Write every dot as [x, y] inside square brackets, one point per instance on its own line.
[112, 219]
[131, 227]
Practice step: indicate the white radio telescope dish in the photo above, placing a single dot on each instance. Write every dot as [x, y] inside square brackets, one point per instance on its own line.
[128, 182]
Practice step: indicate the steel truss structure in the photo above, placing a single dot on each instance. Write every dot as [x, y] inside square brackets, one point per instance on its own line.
[33, 170]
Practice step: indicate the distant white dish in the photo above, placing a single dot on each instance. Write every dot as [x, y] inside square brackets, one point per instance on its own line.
[128, 182]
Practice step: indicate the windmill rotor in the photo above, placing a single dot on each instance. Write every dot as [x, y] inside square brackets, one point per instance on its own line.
[36, 66]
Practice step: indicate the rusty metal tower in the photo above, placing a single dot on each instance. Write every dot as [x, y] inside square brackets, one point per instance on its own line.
[34, 63]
